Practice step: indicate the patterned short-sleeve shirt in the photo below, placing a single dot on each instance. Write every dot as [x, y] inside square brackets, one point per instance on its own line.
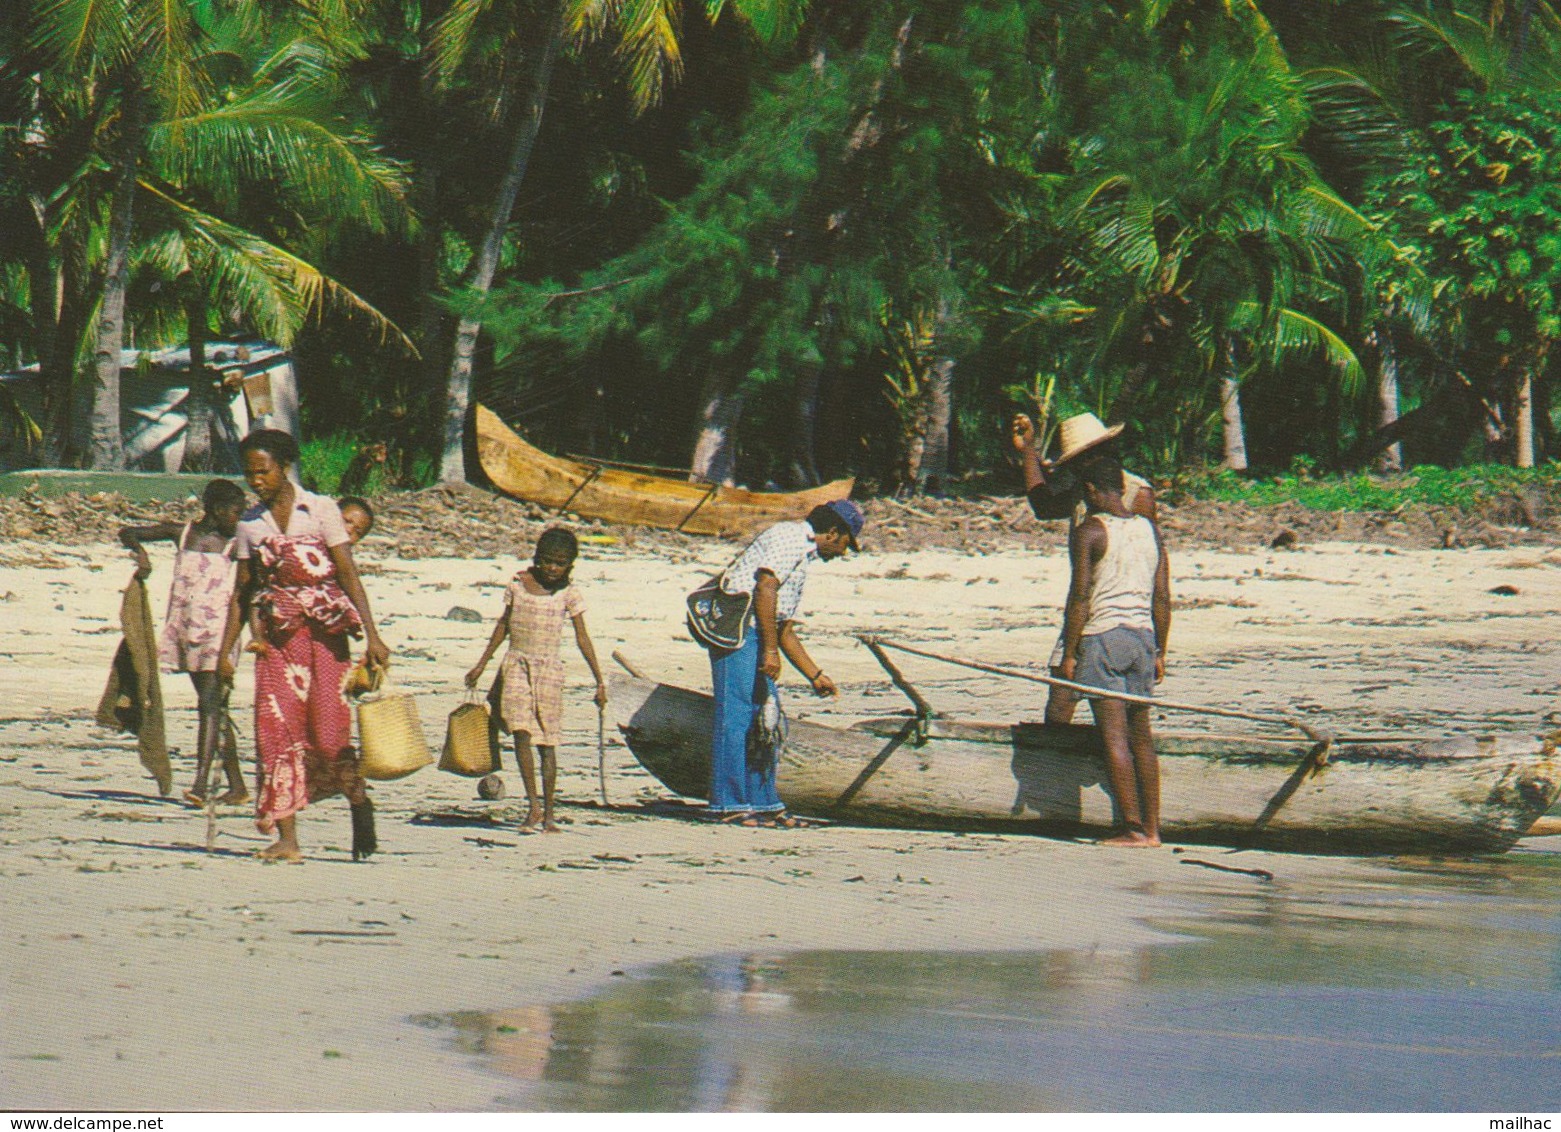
[785, 550]
[312, 515]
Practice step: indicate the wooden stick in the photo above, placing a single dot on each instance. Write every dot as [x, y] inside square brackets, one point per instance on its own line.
[1314, 734]
[923, 708]
[628, 667]
[601, 753]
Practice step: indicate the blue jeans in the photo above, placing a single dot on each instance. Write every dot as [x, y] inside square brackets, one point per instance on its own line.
[735, 788]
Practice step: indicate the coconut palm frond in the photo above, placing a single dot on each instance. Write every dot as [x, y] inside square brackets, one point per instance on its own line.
[169, 50]
[1465, 41]
[453, 37]
[588, 20]
[85, 36]
[265, 139]
[648, 41]
[1320, 213]
[18, 427]
[272, 285]
[772, 21]
[1286, 331]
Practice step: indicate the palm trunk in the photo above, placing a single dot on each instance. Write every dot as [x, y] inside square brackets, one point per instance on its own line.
[933, 470]
[1230, 410]
[66, 431]
[486, 263]
[105, 446]
[1523, 421]
[44, 297]
[804, 424]
[198, 403]
[1391, 459]
[715, 446]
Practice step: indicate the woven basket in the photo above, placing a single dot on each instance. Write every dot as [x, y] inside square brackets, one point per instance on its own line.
[389, 733]
[467, 748]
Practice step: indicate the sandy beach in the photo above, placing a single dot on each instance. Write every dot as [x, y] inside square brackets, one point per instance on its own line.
[142, 972]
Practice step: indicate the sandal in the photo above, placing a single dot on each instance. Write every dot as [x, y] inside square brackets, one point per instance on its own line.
[737, 817]
[780, 820]
[783, 820]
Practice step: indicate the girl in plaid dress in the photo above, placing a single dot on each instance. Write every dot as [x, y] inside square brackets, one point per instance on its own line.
[530, 685]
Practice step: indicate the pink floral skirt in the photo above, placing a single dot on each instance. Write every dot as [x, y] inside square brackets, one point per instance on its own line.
[301, 716]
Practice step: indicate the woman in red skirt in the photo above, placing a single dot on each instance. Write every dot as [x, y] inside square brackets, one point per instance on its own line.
[295, 564]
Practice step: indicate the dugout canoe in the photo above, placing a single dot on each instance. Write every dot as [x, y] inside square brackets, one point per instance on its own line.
[623, 495]
[1465, 794]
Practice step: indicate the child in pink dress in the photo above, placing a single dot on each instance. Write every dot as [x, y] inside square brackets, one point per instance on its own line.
[531, 675]
[203, 573]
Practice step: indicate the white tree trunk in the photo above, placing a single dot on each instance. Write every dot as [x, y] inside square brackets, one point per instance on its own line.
[715, 446]
[485, 264]
[105, 443]
[933, 471]
[1523, 422]
[1235, 432]
[1391, 459]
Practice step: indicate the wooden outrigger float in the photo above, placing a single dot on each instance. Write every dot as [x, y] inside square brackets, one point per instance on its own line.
[627, 495]
[1465, 794]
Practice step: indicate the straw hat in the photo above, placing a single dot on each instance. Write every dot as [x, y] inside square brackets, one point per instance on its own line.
[1080, 433]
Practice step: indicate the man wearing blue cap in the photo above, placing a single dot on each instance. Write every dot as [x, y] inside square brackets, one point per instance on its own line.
[774, 569]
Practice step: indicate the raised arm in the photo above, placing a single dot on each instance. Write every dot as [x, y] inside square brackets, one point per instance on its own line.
[1085, 546]
[587, 650]
[1160, 608]
[812, 672]
[352, 586]
[131, 539]
[1037, 485]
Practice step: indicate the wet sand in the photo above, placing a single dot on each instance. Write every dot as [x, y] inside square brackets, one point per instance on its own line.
[141, 972]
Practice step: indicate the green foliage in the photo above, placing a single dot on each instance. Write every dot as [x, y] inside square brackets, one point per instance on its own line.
[1464, 487]
[1482, 211]
[324, 459]
[1111, 206]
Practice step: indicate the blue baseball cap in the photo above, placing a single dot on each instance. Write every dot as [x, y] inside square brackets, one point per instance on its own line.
[851, 515]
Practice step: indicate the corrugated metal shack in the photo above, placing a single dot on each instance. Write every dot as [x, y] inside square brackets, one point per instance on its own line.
[258, 377]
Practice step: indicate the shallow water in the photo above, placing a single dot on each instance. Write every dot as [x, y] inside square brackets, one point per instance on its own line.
[1437, 988]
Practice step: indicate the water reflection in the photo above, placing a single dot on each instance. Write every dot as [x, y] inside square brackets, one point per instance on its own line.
[1438, 989]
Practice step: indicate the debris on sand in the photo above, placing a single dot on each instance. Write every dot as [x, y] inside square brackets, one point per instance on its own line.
[469, 522]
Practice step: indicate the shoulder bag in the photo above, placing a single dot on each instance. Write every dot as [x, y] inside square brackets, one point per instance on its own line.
[719, 620]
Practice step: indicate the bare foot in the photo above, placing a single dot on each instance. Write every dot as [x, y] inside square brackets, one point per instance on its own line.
[195, 798]
[1132, 841]
[533, 820]
[549, 827]
[233, 797]
[281, 851]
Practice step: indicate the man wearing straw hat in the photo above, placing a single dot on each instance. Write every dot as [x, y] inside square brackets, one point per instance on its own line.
[1055, 492]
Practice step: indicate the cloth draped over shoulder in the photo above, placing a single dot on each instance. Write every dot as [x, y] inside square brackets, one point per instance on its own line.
[133, 699]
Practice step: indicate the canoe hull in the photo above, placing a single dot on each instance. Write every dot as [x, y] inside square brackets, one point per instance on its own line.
[1464, 794]
[616, 495]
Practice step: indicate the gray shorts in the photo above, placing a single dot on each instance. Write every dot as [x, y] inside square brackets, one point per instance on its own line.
[1120, 660]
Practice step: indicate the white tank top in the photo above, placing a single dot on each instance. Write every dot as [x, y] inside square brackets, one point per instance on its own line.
[1124, 576]
[1131, 486]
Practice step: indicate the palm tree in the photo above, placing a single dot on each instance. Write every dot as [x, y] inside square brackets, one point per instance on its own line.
[185, 116]
[513, 45]
[1380, 77]
[1199, 243]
